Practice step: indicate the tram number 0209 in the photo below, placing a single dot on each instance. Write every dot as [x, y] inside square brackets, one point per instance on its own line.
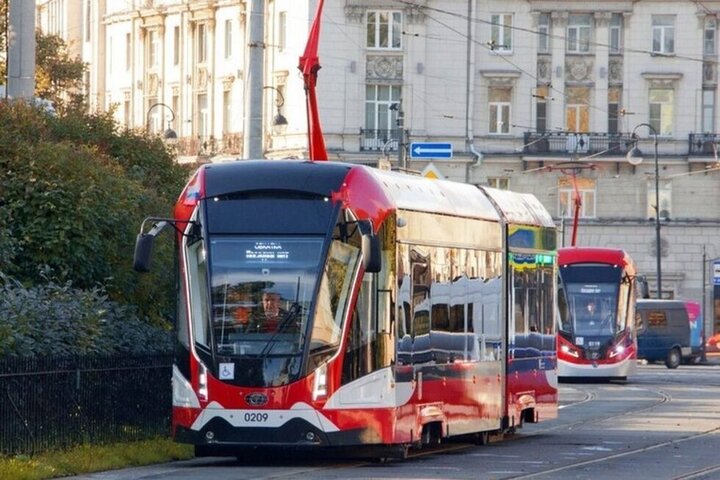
[256, 417]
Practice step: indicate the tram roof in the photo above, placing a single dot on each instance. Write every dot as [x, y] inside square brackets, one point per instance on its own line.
[610, 256]
[422, 194]
[405, 191]
[519, 208]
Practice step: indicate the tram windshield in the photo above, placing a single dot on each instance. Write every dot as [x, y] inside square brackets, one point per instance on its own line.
[261, 290]
[588, 304]
[264, 318]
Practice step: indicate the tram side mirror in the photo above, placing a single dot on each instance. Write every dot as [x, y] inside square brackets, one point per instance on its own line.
[143, 252]
[144, 246]
[370, 247]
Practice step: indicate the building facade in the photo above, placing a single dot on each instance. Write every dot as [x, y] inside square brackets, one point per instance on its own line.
[540, 96]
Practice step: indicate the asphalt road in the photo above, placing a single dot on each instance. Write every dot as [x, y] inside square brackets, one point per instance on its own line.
[660, 424]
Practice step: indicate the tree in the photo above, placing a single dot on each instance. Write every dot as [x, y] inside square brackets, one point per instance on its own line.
[75, 189]
[58, 77]
[3, 39]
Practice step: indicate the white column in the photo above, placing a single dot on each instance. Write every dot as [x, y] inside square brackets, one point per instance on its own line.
[21, 49]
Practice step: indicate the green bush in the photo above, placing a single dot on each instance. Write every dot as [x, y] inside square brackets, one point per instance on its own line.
[58, 320]
[75, 190]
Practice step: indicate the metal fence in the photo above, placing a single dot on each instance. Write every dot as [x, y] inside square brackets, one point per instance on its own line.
[50, 403]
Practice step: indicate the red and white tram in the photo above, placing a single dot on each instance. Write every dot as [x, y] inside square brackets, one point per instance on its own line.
[596, 305]
[411, 310]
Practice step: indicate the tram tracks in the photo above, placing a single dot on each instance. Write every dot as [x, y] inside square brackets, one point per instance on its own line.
[663, 397]
[589, 396]
[636, 451]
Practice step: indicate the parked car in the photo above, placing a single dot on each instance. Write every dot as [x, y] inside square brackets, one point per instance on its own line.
[663, 328]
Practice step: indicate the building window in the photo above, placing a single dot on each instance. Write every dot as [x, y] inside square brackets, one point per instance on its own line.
[282, 31]
[501, 32]
[202, 116]
[567, 195]
[503, 183]
[228, 38]
[614, 97]
[153, 45]
[176, 113]
[661, 110]
[616, 28]
[541, 96]
[153, 122]
[201, 43]
[663, 34]
[227, 111]
[709, 36]
[708, 111]
[126, 113]
[176, 45]
[499, 101]
[280, 96]
[577, 110]
[128, 51]
[384, 29]
[665, 199]
[544, 33]
[578, 34]
[381, 107]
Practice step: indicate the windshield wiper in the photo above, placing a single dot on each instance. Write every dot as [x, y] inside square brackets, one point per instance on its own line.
[290, 317]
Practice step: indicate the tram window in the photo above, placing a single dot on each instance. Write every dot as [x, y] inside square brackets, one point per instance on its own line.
[343, 261]
[197, 268]
[440, 317]
[456, 320]
[181, 323]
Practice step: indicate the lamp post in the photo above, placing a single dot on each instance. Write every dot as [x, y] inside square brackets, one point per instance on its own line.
[169, 134]
[634, 157]
[279, 119]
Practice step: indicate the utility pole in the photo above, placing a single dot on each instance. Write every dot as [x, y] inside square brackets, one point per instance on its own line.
[21, 49]
[402, 141]
[253, 129]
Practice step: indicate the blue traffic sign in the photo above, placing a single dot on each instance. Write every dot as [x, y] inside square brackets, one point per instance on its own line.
[431, 150]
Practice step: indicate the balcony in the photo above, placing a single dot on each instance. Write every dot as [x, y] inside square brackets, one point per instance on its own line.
[380, 140]
[704, 144]
[570, 143]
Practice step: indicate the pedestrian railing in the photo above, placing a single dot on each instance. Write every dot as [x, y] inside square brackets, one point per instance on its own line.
[51, 403]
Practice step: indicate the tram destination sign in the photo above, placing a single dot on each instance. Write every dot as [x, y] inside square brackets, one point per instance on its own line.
[430, 150]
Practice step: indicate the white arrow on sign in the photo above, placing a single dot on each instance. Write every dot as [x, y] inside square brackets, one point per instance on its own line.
[420, 150]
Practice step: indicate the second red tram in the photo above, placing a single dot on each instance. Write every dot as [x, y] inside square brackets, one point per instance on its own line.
[596, 306]
[403, 311]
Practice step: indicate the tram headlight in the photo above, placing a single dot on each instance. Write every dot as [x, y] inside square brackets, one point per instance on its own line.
[566, 349]
[202, 382]
[616, 350]
[320, 386]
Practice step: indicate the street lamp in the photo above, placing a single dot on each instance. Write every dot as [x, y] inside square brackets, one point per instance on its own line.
[279, 120]
[634, 157]
[169, 134]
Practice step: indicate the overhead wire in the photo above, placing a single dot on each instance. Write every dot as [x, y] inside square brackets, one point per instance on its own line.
[622, 50]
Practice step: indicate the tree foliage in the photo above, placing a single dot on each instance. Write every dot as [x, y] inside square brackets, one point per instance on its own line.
[58, 320]
[57, 74]
[75, 190]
